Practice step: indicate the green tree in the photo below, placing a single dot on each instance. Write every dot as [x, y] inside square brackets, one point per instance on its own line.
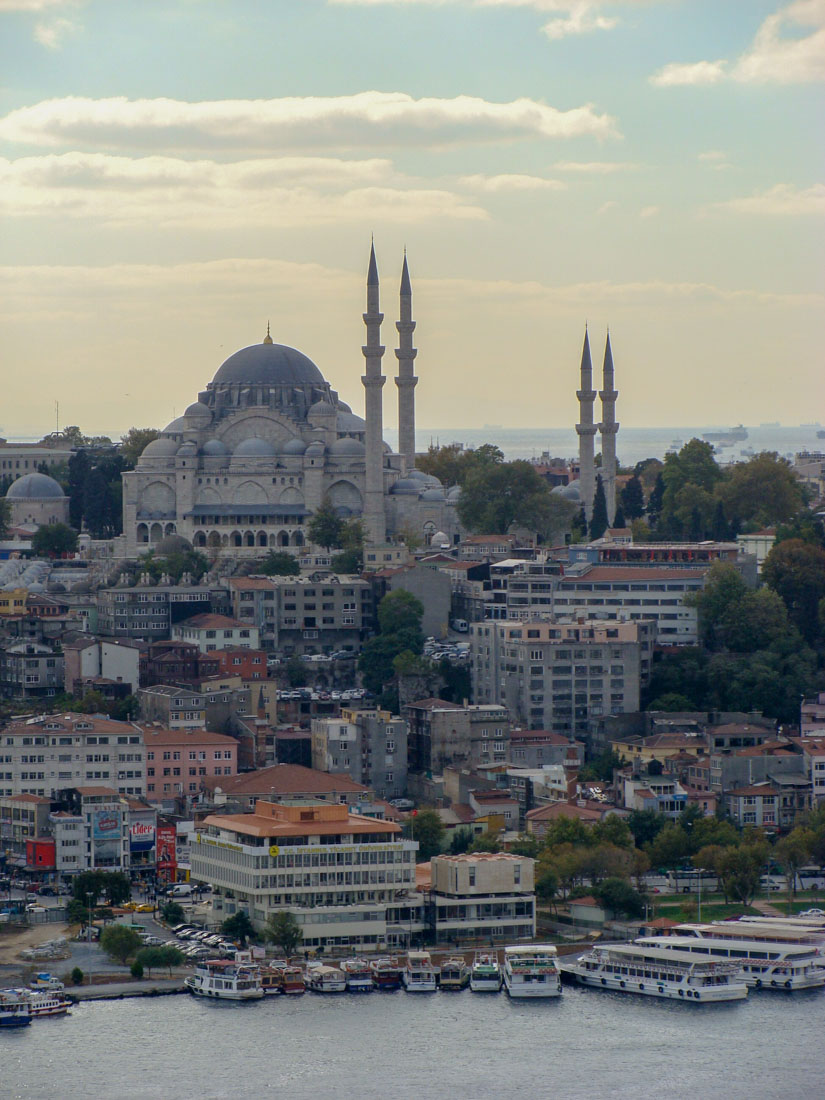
[76, 912]
[567, 829]
[500, 495]
[547, 884]
[399, 620]
[427, 828]
[598, 520]
[764, 490]
[672, 702]
[89, 886]
[618, 896]
[460, 841]
[279, 563]
[79, 467]
[136, 970]
[796, 571]
[53, 540]
[613, 830]
[724, 589]
[486, 842]
[656, 499]
[326, 526]
[645, 825]
[117, 887]
[283, 930]
[5, 516]
[633, 499]
[133, 443]
[400, 611]
[172, 913]
[296, 672]
[454, 463]
[77, 976]
[792, 852]
[150, 958]
[119, 942]
[670, 847]
[739, 870]
[238, 927]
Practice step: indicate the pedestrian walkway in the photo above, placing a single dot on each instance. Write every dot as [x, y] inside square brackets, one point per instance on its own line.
[108, 990]
[766, 909]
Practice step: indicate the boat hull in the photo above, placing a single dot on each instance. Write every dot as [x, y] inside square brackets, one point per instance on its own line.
[426, 985]
[223, 994]
[521, 990]
[664, 990]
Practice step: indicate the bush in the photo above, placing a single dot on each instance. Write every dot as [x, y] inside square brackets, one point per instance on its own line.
[119, 942]
[136, 970]
[172, 913]
[77, 976]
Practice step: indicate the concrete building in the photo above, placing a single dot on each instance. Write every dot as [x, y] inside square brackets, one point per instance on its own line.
[446, 734]
[168, 662]
[22, 818]
[91, 830]
[731, 769]
[87, 658]
[368, 745]
[432, 587]
[172, 707]
[561, 674]
[178, 761]
[537, 748]
[56, 751]
[149, 611]
[337, 872]
[211, 632]
[813, 754]
[285, 783]
[318, 613]
[772, 804]
[482, 897]
[30, 670]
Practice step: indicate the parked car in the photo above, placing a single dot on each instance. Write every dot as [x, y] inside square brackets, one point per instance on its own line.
[47, 892]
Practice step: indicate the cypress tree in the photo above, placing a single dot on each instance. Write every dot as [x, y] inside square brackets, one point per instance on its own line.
[598, 522]
[618, 519]
[633, 499]
[721, 530]
[654, 504]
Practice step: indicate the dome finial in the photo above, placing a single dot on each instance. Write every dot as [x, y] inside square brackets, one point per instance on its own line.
[267, 338]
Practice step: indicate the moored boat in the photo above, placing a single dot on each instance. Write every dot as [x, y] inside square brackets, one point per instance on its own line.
[764, 964]
[386, 973]
[46, 1002]
[531, 970]
[326, 979]
[15, 1010]
[358, 975]
[455, 974]
[485, 973]
[655, 971]
[294, 982]
[225, 980]
[418, 975]
[278, 978]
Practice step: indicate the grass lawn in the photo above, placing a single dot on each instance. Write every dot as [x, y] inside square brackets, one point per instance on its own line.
[714, 908]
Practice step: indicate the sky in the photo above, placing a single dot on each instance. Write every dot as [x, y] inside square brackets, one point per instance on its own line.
[176, 174]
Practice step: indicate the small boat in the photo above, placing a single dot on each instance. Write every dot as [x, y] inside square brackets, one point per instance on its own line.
[532, 970]
[326, 979]
[46, 1002]
[293, 981]
[655, 971]
[418, 975]
[455, 974]
[358, 975]
[386, 973]
[15, 1010]
[280, 978]
[485, 974]
[225, 980]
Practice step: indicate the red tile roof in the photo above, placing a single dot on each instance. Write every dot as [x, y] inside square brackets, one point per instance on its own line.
[283, 779]
[207, 621]
[153, 738]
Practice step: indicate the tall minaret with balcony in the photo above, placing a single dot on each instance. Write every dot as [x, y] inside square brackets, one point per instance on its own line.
[586, 430]
[406, 379]
[373, 379]
[609, 429]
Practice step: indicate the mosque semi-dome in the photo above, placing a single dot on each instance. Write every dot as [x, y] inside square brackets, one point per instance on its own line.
[161, 448]
[346, 447]
[254, 448]
[268, 364]
[198, 411]
[175, 427]
[406, 486]
[35, 486]
[294, 446]
[215, 448]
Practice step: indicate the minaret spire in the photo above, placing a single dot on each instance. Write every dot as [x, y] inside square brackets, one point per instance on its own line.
[373, 380]
[609, 429]
[586, 430]
[405, 379]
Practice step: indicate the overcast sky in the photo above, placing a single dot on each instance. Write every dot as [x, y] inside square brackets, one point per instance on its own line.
[176, 173]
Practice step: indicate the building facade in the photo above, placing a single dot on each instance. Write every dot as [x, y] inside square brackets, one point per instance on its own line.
[444, 734]
[368, 745]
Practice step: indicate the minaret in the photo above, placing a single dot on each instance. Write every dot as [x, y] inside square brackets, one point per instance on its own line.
[586, 429]
[405, 379]
[609, 428]
[373, 379]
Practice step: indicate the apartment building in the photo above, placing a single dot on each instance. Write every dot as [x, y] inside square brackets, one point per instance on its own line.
[149, 611]
[22, 818]
[561, 674]
[88, 659]
[53, 752]
[178, 760]
[370, 746]
[444, 734]
[337, 872]
[213, 632]
[482, 896]
[172, 707]
[30, 670]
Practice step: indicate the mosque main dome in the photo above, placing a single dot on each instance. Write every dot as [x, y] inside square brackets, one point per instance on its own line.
[268, 364]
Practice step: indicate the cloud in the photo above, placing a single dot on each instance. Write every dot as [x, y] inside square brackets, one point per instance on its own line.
[593, 167]
[35, 5]
[498, 184]
[51, 35]
[367, 118]
[712, 155]
[649, 211]
[783, 200]
[611, 204]
[779, 53]
[284, 191]
[581, 18]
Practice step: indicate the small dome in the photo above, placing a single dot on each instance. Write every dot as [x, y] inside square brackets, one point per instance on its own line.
[454, 493]
[175, 428]
[254, 448]
[37, 587]
[349, 422]
[35, 487]
[215, 447]
[197, 411]
[294, 446]
[432, 494]
[316, 448]
[425, 479]
[268, 364]
[321, 408]
[572, 491]
[347, 447]
[439, 539]
[172, 544]
[406, 487]
[343, 407]
[160, 448]
[188, 448]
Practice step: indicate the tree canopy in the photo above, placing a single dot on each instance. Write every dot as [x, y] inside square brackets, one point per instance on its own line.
[496, 496]
[54, 539]
[119, 942]
[133, 443]
[283, 930]
[428, 829]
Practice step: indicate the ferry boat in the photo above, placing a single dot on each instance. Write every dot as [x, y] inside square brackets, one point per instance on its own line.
[531, 970]
[15, 1010]
[455, 974]
[46, 1002]
[386, 973]
[764, 931]
[358, 975]
[225, 980]
[656, 971]
[418, 975]
[764, 964]
[326, 979]
[485, 973]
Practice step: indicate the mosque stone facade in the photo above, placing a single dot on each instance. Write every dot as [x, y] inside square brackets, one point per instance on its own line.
[36, 500]
[268, 440]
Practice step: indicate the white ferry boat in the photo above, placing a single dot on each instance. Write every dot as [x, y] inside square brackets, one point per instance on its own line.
[418, 975]
[531, 970]
[485, 973]
[764, 965]
[225, 980]
[655, 971]
[15, 1011]
[766, 931]
[358, 975]
[455, 974]
[326, 979]
[46, 1002]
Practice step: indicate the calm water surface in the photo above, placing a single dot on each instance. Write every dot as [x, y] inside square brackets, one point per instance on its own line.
[461, 1046]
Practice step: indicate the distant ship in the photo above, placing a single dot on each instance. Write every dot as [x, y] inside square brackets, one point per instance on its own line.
[820, 434]
[770, 424]
[814, 424]
[728, 438]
